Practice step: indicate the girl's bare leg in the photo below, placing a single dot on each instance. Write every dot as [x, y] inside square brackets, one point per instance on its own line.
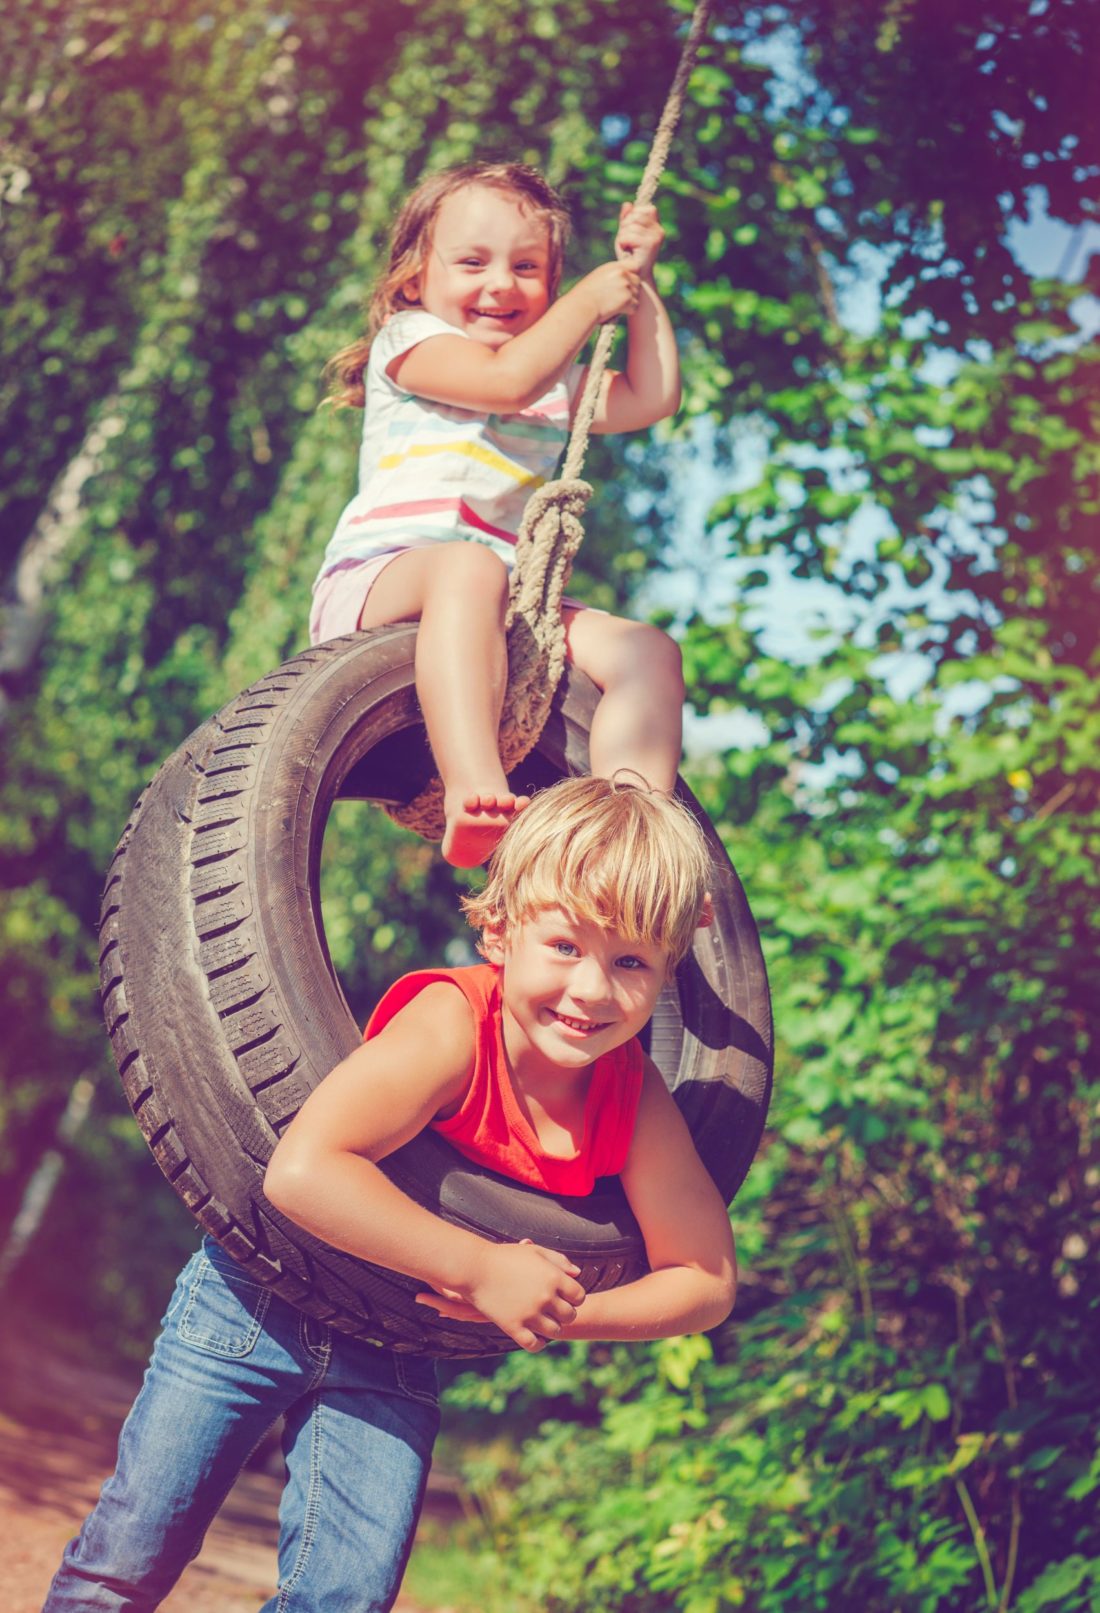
[638, 724]
[459, 592]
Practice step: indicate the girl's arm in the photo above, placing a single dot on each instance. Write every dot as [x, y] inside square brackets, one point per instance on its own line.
[692, 1281]
[323, 1173]
[648, 389]
[455, 370]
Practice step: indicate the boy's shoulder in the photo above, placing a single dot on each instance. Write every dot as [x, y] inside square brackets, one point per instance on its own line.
[449, 999]
[446, 1010]
[429, 1024]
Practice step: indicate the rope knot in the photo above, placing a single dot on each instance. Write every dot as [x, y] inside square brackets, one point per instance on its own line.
[569, 493]
[549, 536]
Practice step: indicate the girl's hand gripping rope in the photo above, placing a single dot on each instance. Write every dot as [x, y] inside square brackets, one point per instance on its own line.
[639, 239]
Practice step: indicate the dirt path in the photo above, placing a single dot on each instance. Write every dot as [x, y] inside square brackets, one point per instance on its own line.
[58, 1426]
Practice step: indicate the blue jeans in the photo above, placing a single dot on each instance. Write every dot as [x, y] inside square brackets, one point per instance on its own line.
[233, 1357]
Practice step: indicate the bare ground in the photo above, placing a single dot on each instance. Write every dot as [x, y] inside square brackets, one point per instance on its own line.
[58, 1427]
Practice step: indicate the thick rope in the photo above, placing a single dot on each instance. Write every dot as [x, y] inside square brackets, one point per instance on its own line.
[552, 531]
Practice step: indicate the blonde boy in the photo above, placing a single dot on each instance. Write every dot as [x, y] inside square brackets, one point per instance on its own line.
[532, 1066]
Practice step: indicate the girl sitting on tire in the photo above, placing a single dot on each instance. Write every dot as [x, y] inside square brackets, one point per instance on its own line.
[468, 383]
[529, 1064]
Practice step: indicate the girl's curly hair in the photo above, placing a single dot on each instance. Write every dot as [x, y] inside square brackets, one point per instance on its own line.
[409, 245]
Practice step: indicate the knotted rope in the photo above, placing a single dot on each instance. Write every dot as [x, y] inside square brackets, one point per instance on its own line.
[552, 531]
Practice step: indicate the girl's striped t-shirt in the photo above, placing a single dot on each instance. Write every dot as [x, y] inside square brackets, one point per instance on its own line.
[430, 473]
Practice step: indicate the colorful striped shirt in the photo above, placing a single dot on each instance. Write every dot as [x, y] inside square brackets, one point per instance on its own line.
[432, 473]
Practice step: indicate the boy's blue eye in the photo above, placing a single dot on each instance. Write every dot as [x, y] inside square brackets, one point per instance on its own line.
[632, 963]
[567, 949]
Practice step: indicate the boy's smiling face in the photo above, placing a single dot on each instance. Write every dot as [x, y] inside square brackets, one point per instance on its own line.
[572, 989]
[488, 266]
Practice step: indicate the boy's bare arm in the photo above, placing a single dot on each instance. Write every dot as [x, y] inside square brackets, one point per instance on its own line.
[455, 370]
[692, 1280]
[323, 1173]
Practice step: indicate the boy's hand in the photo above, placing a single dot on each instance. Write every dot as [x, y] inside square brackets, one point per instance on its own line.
[529, 1292]
[640, 238]
[614, 289]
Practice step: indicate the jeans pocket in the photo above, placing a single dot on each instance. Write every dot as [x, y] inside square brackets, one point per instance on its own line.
[224, 1314]
[417, 1378]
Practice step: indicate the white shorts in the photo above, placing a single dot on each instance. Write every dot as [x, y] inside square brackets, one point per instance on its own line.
[339, 596]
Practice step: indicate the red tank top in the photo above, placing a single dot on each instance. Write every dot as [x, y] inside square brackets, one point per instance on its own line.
[489, 1126]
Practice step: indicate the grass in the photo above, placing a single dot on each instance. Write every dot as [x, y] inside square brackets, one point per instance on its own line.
[454, 1569]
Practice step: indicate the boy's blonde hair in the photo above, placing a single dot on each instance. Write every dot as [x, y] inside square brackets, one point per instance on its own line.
[633, 860]
[410, 243]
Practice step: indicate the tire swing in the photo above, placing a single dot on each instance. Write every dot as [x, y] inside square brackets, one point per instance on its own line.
[220, 999]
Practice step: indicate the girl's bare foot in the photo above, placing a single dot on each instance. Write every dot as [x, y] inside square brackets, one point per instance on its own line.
[475, 823]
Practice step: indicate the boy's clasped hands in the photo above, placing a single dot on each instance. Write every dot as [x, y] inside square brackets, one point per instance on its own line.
[529, 1292]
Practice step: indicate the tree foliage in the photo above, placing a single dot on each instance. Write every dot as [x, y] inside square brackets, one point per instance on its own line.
[903, 1411]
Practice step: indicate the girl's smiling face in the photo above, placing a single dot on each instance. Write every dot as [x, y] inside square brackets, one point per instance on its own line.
[572, 990]
[488, 266]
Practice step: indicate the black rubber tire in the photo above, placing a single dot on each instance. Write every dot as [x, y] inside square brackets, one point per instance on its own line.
[224, 1010]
